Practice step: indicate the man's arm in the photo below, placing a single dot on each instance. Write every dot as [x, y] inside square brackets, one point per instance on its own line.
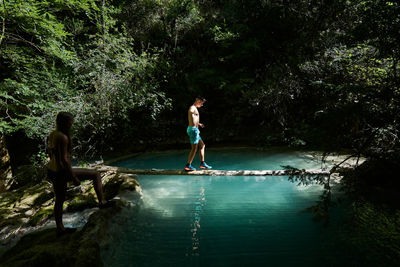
[192, 116]
[196, 117]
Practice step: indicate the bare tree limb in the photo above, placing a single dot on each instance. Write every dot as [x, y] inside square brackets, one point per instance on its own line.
[17, 37]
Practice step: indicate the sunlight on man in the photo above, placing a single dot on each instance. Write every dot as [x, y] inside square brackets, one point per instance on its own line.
[194, 134]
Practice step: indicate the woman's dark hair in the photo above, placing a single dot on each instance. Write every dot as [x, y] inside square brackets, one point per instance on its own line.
[64, 121]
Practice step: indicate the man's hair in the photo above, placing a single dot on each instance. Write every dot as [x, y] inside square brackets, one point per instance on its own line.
[202, 99]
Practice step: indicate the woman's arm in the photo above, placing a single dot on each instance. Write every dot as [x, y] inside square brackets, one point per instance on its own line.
[65, 157]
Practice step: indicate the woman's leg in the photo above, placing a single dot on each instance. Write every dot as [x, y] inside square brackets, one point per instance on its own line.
[60, 187]
[85, 174]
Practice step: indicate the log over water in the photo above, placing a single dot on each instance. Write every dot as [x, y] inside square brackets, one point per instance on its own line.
[211, 172]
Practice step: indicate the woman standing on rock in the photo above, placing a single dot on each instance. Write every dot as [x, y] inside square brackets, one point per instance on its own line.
[60, 171]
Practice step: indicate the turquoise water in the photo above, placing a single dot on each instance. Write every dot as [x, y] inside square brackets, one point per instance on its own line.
[217, 220]
[226, 159]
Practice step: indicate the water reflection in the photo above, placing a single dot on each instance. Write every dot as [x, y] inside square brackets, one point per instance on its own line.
[195, 226]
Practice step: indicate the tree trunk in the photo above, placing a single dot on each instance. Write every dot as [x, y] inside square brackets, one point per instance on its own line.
[210, 172]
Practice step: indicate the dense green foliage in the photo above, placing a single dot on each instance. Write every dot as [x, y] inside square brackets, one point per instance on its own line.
[315, 73]
[69, 55]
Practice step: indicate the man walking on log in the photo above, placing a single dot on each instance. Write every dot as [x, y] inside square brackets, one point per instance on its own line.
[194, 135]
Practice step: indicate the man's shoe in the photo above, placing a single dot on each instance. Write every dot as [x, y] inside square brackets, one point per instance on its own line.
[205, 166]
[189, 168]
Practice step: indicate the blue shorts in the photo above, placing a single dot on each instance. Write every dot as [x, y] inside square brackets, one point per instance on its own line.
[194, 134]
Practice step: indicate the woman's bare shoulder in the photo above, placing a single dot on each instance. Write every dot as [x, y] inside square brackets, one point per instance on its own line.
[57, 136]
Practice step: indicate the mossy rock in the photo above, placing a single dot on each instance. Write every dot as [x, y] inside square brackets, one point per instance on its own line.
[31, 205]
[129, 184]
[82, 202]
[43, 198]
[17, 220]
[89, 252]
[111, 188]
[41, 216]
[16, 206]
[25, 175]
[119, 183]
[44, 248]
[40, 249]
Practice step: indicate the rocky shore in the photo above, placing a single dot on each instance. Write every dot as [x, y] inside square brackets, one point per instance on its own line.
[27, 228]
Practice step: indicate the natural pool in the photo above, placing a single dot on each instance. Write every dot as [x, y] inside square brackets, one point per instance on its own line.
[221, 221]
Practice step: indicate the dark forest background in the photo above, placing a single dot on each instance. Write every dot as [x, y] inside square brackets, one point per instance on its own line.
[320, 74]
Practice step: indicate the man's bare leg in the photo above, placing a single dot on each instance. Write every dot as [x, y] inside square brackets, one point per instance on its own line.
[202, 150]
[192, 153]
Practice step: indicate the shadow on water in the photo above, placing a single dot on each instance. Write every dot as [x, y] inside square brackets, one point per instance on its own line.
[364, 200]
[325, 202]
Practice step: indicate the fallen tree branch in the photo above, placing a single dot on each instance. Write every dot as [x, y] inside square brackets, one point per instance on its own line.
[210, 172]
